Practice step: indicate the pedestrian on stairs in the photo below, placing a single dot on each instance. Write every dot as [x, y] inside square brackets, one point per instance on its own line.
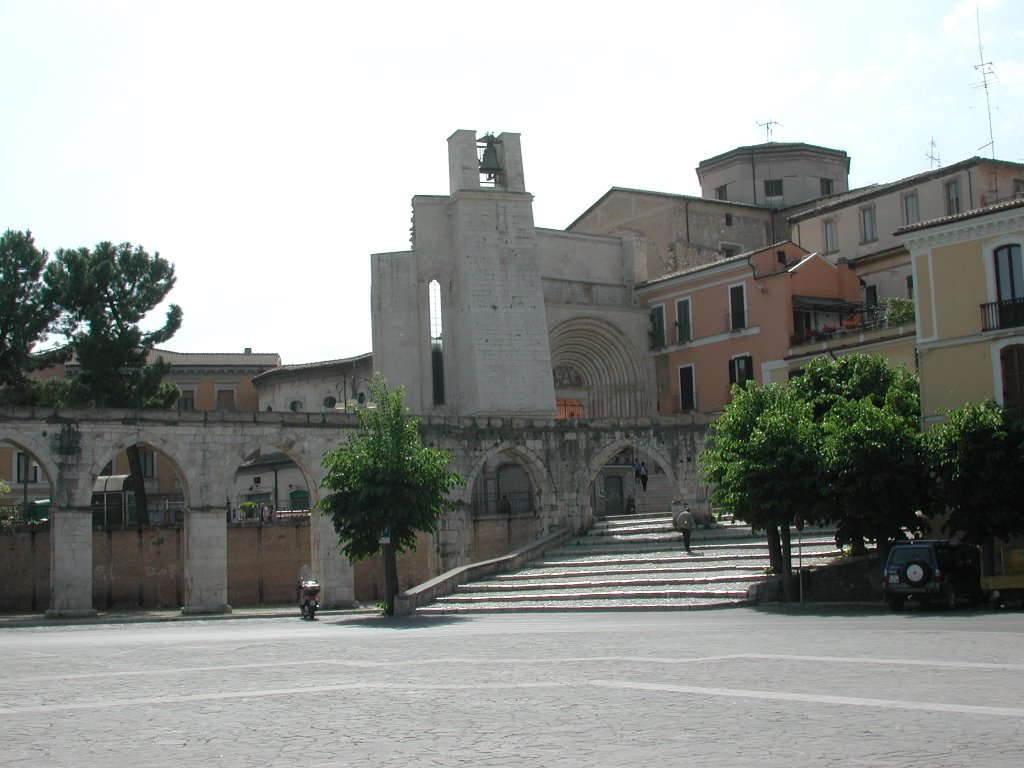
[636, 470]
[684, 523]
[643, 475]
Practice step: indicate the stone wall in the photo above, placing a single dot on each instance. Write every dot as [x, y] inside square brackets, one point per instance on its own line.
[135, 569]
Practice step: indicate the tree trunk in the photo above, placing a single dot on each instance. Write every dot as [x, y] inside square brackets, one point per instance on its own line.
[787, 564]
[774, 548]
[138, 483]
[390, 578]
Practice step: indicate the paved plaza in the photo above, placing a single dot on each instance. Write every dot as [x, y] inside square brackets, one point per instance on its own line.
[739, 687]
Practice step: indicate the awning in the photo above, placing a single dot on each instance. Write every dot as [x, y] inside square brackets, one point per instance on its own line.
[825, 304]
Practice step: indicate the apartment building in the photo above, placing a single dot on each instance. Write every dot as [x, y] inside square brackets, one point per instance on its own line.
[736, 319]
[969, 280]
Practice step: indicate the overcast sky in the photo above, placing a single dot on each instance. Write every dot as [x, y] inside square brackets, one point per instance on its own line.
[267, 150]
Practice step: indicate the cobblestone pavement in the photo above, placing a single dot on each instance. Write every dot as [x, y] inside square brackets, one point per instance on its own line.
[745, 687]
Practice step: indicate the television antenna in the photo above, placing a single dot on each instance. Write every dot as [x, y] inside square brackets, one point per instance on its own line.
[987, 71]
[933, 156]
[767, 125]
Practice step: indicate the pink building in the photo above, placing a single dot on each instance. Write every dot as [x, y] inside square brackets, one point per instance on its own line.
[736, 319]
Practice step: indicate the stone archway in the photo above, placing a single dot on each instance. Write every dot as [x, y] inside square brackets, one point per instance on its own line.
[599, 461]
[596, 366]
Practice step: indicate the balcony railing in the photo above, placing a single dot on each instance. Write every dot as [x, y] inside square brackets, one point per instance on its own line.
[1002, 314]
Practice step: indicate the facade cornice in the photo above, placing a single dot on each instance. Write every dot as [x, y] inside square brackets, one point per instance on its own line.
[983, 225]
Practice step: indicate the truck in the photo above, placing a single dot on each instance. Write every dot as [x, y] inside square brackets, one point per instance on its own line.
[1006, 583]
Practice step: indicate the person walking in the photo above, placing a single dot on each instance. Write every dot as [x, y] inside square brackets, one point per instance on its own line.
[684, 523]
[643, 475]
[636, 470]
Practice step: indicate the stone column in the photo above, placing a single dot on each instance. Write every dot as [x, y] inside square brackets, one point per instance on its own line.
[206, 562]
[331, 568]
[70, 563]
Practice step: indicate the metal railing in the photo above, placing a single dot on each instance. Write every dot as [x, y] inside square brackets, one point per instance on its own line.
[1002, 314]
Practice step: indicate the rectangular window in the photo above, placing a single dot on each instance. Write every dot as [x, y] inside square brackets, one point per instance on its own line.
[741, 369]
[728, 219]
[910, 286]
[868, 233]
[953, 197]
[737, 308]
[830, 236]
[773, 187]
[25, 470]
[871, 295]
[225, 399]
[910, 214]
[657, 327]
[687, 395]
[722, 192]
[148, 460]
[1018, 187]
[684, 331]
[729, 250]
[826, 187]
[187, 400]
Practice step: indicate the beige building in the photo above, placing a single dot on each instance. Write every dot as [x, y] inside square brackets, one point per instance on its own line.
[860, 226]
[774, 175]
[969, 280]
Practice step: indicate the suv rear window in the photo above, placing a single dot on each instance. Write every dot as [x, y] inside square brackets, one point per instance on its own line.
[903, 555]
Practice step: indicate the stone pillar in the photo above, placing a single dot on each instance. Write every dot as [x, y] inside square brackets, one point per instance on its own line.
[206, 562]
[328, 566]
[70, 564]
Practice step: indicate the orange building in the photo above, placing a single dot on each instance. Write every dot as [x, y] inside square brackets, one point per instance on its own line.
[736, 319]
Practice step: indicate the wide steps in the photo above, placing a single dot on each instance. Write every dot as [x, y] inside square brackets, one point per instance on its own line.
[635, 562]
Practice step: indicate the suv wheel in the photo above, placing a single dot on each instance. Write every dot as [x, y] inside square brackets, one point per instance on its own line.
[916, 573]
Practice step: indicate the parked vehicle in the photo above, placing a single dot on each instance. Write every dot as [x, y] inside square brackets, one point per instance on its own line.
[931, 571]
[309, 590]
[1006, 585]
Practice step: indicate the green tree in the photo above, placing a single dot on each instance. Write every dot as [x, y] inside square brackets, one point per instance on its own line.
[383, 479]
[871, 470]
[762, 462]
[977, 466]
[104, 295]
[28, 314]
[871, 463]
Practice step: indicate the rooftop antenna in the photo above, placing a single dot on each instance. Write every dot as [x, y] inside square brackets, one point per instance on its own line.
[987, 71]
[933, 156]
[767, 129]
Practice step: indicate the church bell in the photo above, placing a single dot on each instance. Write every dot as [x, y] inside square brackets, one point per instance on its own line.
[489, 161]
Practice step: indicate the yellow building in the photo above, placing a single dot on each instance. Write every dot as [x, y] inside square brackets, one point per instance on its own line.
[969, 284]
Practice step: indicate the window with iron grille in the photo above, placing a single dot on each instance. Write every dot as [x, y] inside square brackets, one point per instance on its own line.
[773, 187]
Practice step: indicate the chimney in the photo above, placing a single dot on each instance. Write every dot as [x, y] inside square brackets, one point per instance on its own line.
[248, 350]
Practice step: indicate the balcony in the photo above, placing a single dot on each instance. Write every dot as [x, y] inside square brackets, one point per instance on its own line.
[1002, 314]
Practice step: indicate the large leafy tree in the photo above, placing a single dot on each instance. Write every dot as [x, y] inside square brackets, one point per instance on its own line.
[977, 463]
[105, 295]
[28, 313]
[871, 470]
[384, 480]
[839, 444]
[762, 463]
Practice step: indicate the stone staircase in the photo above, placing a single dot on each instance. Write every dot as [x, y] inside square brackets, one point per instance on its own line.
[635, 562]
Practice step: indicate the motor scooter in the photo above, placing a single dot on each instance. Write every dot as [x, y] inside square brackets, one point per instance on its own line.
[309, 590]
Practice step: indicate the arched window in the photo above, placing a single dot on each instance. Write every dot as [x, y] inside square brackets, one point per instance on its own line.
[436, 351]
